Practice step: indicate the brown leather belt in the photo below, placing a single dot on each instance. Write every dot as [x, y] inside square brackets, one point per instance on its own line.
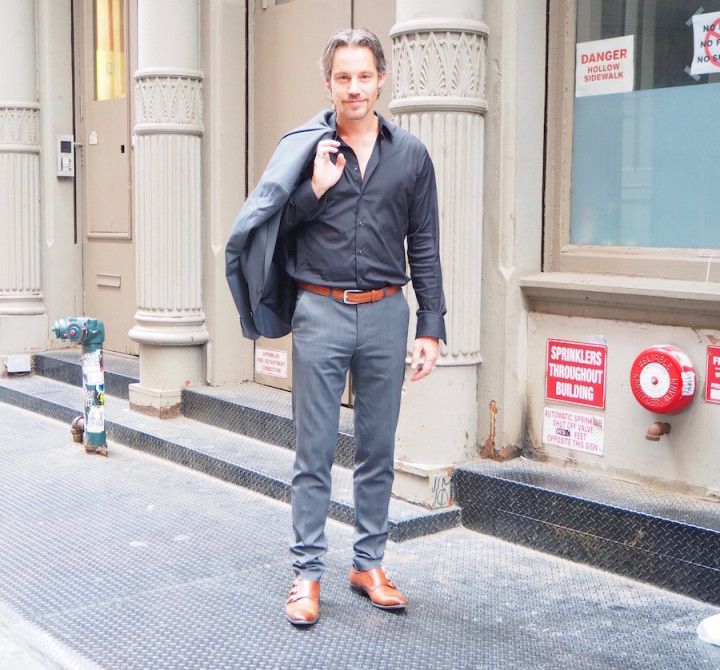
[351, 296]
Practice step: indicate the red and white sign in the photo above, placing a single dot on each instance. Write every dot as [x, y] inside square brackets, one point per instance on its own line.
[576, 373]
[706, 44]
[605, 66]
[572, 430]
[271, 362]
[712, 377]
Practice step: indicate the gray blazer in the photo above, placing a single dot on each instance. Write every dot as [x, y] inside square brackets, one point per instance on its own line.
[254, 259]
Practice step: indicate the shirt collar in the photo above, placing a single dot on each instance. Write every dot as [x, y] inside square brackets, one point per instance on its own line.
[387, 129]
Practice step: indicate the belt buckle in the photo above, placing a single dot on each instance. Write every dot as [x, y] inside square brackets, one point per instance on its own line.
[350, 290]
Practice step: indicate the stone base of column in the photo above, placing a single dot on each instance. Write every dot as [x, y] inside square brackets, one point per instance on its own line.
[163, 404]
[164, 372]
[426, 485]
[436, 431]
[24, 333]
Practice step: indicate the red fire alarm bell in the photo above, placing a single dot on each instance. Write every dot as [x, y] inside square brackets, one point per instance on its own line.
[663, 379]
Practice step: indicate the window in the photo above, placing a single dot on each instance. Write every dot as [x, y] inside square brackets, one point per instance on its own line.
[109, 49]
[643, 168]
[629, 165]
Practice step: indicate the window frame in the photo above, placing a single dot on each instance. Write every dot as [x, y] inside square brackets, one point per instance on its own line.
[692, 265]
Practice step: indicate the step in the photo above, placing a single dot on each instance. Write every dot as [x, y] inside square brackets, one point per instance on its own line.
[261, 412]
[668, 539]
[229, 456]
[250, 409]
[64, 365]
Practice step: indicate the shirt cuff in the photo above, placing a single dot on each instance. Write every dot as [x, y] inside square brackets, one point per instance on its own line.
[430, 324]
[307, 205]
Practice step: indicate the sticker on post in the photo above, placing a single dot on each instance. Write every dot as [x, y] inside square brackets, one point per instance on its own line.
[572, 430]
[95, 422]
[94, 377]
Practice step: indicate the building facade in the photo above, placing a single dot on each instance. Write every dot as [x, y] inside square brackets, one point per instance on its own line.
[573, 155]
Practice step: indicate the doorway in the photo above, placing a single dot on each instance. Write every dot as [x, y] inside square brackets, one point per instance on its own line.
[105, 56]
[287, 38]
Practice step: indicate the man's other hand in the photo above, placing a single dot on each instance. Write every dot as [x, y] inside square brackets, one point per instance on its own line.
[429, 349]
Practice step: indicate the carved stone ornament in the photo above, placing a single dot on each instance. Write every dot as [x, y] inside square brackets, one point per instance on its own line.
[19, 126]
[166, 102]
[439, 64]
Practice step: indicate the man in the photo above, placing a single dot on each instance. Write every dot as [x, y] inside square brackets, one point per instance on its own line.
[369, 189]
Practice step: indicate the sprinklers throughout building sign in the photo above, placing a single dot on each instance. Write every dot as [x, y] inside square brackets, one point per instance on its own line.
[576, 373]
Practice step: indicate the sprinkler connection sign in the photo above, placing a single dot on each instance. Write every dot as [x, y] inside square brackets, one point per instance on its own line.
[576, 373]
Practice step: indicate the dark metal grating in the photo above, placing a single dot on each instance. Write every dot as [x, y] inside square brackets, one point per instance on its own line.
[239, 460]
[130, 561]
[64, 366]
[255, 423]
[669, 553]
[670, 541]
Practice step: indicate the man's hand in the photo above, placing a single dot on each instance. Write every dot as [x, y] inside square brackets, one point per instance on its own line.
[429, 348]
[326, 173]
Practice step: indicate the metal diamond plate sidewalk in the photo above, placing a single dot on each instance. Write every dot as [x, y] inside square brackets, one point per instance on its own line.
[131, 561]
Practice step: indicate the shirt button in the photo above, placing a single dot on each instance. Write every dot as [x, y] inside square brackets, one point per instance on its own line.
[360, 252]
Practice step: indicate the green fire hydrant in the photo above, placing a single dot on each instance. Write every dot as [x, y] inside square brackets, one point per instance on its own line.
[91, 334]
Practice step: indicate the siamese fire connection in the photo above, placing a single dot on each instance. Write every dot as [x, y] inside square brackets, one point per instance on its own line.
[91, 334]
[663, 380]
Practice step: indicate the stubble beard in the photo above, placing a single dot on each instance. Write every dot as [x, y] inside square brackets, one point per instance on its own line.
[356, 114]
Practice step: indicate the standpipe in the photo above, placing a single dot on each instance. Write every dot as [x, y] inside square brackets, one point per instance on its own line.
[91, 334]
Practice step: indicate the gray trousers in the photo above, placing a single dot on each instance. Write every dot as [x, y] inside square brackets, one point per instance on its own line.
[330, 338]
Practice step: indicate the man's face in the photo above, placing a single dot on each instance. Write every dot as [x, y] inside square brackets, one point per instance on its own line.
[354, 82]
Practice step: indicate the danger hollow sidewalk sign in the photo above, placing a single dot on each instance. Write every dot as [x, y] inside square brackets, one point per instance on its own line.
[605, 66]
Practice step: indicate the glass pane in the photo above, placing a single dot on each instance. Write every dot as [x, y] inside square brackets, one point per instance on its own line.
[109, 49]
[642, 172]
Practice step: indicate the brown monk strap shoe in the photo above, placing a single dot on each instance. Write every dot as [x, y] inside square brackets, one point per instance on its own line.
[303, 603]
[375, 585]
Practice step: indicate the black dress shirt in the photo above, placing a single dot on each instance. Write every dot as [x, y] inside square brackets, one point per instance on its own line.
[354, 236]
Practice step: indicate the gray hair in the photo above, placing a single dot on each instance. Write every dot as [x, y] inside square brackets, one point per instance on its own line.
[352, 37]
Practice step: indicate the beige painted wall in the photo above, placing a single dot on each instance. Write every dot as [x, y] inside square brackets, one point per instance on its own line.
[61, 257]
[229, 355]
[512, 226]
[686, 459]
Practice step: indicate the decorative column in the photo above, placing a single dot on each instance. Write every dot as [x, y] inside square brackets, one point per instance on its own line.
[23, 322]
[167, 142]
[439, 59]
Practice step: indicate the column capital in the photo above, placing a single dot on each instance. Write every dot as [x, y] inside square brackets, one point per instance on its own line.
[168, 101]
[19, 127]
[439, 65]
[441, 24]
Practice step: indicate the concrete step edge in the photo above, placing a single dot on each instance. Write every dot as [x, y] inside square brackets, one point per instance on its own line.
[402, 526]
[669, 553]
[207, 407]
